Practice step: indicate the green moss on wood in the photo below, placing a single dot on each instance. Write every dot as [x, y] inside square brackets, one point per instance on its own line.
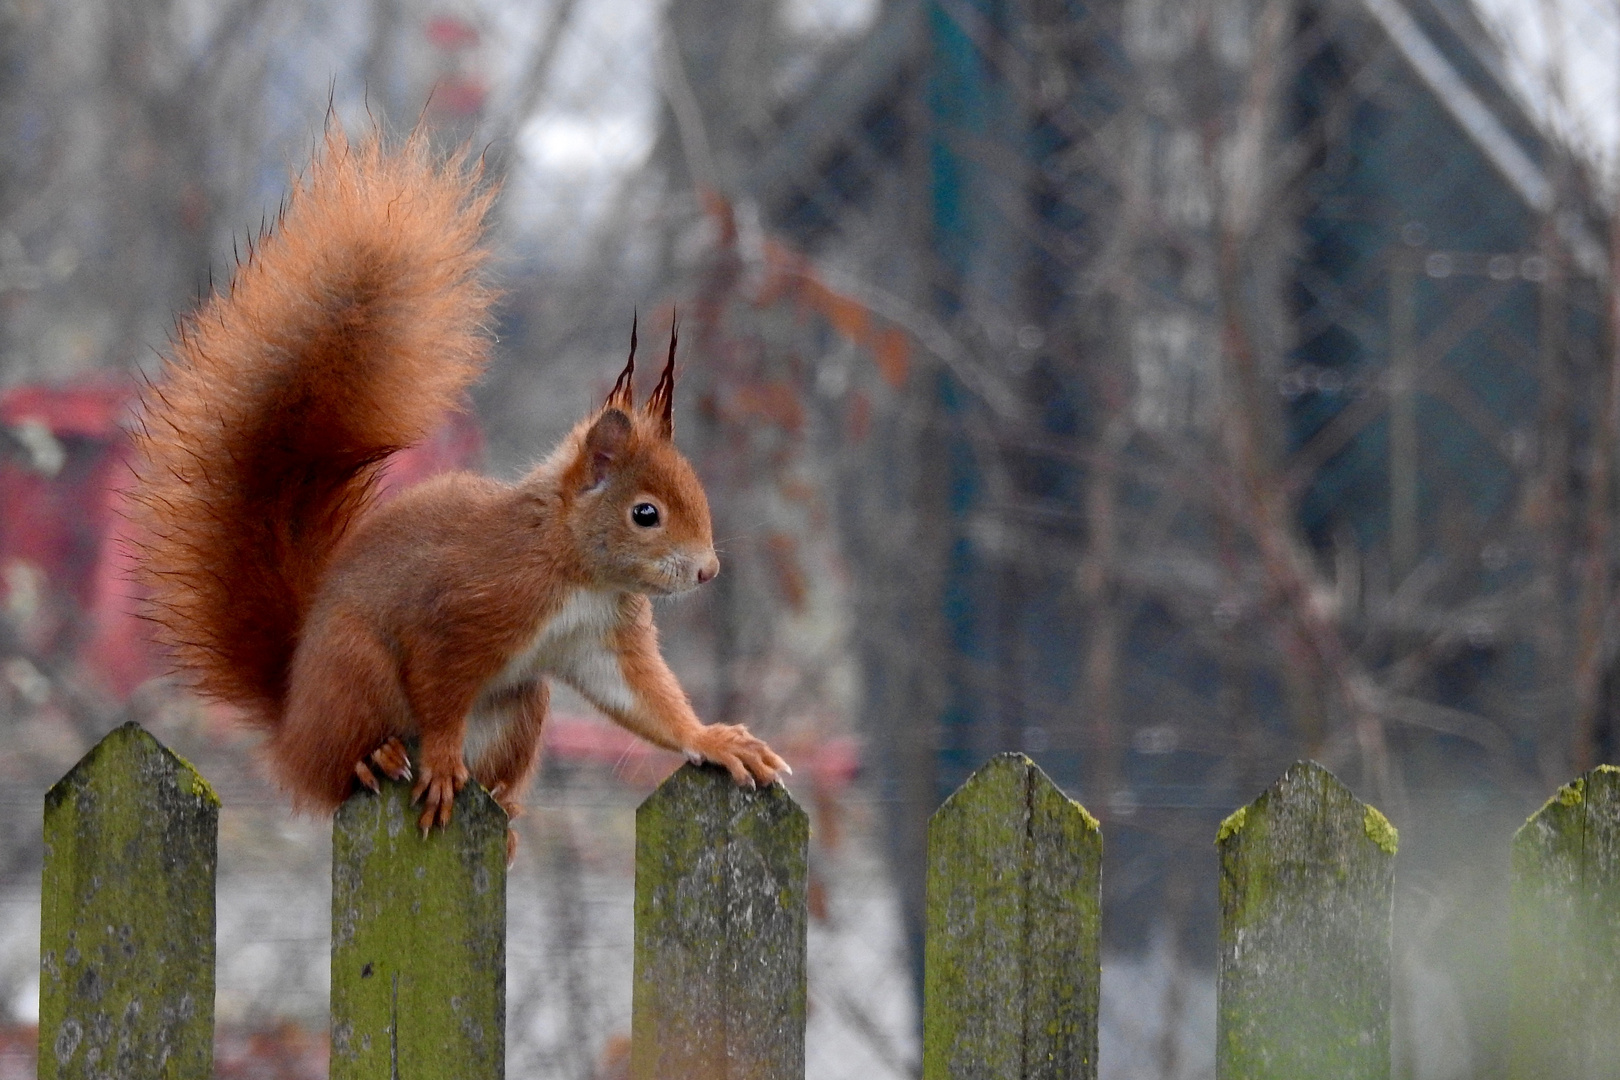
[1087, 821]
[1567, 797]
[721, 889]
[200, 786]
[1566, 933]
[127, 916]
[1232, 824]
[418, 939]
[1011, 964]
[1305, 895]
[1380, 831]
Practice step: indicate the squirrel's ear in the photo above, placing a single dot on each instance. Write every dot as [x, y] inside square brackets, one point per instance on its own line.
[660, 408]
[623, 389]
[605, 444]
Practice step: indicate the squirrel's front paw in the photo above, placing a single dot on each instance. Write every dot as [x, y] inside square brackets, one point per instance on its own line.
[436, 790]
[744, 755]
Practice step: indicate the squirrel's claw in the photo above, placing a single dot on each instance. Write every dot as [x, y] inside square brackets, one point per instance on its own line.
[514, 810]
[751, 763]
[367, 778]
[392, 759]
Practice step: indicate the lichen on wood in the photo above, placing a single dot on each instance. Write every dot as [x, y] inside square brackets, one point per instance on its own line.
[721, 876]
[1232, 824]
[418, 939]
[1306, 895]
[1380, 831]
[127, 916]
[1566, 934]
[1011, 966]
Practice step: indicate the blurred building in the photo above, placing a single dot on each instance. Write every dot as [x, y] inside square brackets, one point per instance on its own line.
[1181, 248]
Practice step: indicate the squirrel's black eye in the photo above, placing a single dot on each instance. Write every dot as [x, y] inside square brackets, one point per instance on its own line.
[644, 514]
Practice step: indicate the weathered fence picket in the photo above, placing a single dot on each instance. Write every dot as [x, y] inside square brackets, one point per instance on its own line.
[418, 939]
[721, 880]
[1306, 895]
[1011, 966]
[1566, 934]
[1012, 973]
[126, 985]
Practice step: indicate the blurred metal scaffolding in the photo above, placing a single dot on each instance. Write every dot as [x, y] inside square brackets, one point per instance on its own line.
[1261, 408]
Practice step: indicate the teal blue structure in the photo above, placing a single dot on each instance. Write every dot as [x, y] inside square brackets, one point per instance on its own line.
[1433, 163]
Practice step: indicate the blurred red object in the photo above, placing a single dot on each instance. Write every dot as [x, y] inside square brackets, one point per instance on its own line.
[65, 547]
[458, 95]
[17, 1043]
[834, 762]
[65, 455]
[450, 33]
[286, 1051]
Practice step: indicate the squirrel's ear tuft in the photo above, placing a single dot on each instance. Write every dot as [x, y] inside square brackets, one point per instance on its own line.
[606, 443]
[660, 407]
[623, 389]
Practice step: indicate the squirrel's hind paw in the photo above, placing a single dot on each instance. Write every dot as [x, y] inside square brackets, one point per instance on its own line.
[392, 759]
[367, 778]
[436, 790]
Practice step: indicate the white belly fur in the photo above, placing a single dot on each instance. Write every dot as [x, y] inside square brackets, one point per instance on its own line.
[573, 645]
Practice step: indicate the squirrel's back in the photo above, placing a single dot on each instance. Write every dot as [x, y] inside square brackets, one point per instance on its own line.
[350, 329]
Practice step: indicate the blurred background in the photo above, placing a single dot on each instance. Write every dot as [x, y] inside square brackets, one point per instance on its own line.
[1167, 389]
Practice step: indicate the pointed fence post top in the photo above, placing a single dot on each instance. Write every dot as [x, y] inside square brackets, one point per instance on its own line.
[127, 915]
[1009, 779]
[722, 877]
[1308, 792]
[1306, 891]
[1566, 932]
[1011, 964]
[699, 821]
[1598, 789]
[710, 791]
[130, 751]
[368, 823]
[418, 938]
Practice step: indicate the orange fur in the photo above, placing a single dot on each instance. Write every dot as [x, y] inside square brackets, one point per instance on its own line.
[339, 626]
[346, 334]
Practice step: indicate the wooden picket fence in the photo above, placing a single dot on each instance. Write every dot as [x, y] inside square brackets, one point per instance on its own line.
[1012, 962]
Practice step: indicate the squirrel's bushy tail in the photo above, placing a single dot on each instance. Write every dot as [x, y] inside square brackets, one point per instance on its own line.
[350, 329]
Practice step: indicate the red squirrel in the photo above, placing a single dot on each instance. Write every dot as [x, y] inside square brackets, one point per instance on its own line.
[342, 627]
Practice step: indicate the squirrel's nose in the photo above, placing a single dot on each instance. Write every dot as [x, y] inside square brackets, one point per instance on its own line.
[707, 571]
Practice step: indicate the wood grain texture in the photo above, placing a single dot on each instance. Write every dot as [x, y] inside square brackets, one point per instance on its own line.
[1306, 891]
[1566, 934]
[1012, 962]
[127, 916]
[721, 876]
[418, 940]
